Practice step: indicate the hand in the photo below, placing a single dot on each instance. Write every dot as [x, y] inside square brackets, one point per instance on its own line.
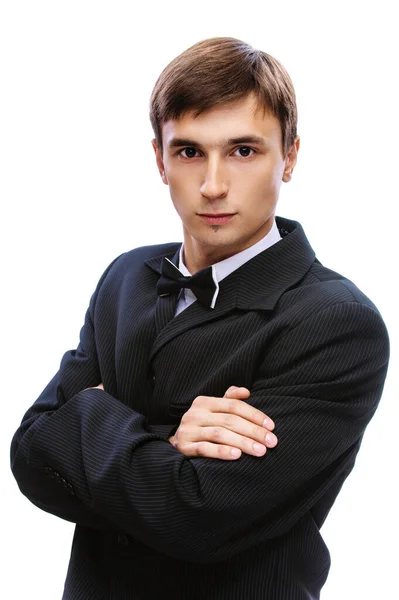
[99, 386]
[224, 428]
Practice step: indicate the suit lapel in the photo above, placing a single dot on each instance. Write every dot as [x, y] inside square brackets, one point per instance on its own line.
[256, 285]
[164, 311]
[167, 325]
[195, 315]
[165, 306]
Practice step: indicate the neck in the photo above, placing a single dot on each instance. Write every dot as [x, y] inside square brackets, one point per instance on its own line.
[199, 259]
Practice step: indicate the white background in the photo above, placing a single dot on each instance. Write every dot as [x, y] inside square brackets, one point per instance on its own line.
[79, 186]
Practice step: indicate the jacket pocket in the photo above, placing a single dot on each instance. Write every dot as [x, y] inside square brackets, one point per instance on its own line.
[178, 410]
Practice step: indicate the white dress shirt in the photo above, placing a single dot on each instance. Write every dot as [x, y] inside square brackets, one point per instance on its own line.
[223, 268]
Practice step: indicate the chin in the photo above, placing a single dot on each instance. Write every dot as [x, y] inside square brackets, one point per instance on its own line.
[223, 242]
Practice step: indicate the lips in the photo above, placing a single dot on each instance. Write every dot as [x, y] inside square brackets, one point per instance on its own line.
[217, 218]
[216, 215]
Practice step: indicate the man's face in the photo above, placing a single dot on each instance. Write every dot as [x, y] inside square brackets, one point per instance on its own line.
[224, 169]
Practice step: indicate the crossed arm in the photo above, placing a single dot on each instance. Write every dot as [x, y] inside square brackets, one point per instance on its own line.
[173, 497]
[223, 428]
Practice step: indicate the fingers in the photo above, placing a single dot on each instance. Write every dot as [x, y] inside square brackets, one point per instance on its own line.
[236, 431]
[218, 443]
[237, 392]
[209, 450]
[234, 407]
[233, 433]
[241, 393]
[99, 386]
[226, 437]
[224, 428]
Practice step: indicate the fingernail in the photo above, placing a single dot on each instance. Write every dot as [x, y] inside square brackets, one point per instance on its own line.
[259, 449]
[268, 423]
[271, 439]
[236, 452]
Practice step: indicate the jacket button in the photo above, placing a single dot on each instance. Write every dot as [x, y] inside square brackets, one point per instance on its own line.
[122, 539]
[50, 471]
[70, 490]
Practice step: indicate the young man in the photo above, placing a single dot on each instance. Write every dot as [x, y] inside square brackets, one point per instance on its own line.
[201, 431]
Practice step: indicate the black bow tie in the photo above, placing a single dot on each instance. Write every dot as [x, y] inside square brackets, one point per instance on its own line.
[201, 284]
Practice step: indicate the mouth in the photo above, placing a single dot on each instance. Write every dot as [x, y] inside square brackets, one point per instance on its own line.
[216, 218]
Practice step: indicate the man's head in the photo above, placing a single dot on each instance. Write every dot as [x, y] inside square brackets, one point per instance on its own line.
[224, 117]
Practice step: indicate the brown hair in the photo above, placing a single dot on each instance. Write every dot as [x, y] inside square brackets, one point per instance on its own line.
[220, 70]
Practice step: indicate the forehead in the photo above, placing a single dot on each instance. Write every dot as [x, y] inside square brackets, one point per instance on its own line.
[231, 120]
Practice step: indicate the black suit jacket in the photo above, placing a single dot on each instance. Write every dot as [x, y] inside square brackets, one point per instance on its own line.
[151, 522]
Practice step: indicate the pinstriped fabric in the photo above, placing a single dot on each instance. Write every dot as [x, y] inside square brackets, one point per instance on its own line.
[164, 310]
[313, 350]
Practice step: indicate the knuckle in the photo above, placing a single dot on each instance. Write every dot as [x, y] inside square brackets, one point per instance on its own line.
[257, 416]
[221, 451]
[231, 405]
[248, 447]
[190, 415]
[198, 401]
[217, 434]
[228, 421]
[182, 432]
[200, 449]
[186, 450]
[255, 433]
[185, 418]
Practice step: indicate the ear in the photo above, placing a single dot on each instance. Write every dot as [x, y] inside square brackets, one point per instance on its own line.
[159, 160]
[291, 159]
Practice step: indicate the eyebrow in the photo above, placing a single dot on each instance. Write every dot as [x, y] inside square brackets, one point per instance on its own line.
[245, 139]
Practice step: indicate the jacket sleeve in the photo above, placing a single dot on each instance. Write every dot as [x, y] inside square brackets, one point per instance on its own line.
[44, 485]
[320, 382]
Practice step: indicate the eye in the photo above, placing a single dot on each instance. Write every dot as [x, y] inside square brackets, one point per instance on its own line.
[190, 152]
[244, 151]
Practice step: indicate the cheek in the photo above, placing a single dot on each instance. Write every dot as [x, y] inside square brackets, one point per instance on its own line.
[182, 187]
[180, 194]
[255, 174]
[257, 185]
[269, 179]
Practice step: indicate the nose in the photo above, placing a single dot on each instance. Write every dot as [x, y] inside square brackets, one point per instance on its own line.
[214, 185]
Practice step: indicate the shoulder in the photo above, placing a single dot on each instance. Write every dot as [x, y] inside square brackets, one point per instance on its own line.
[129, 265]
[328, 322]
[326, 303]
[333, 288]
